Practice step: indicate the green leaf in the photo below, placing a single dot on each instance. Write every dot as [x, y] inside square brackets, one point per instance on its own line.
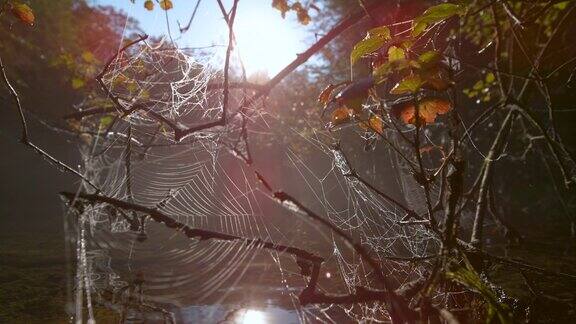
[440, 12]
[418, 28]
[88, 57]
[396, 53]
[561, 5]
[365, 46]
[379, 32]
[490, 77]
[375, 39]
[435, 14]
[479, 85]
[429, 58]
[105, 121]
[77, 83]
[381, 72]
[409, 84]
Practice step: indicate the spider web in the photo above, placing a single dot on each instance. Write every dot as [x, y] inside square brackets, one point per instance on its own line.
[144, 270]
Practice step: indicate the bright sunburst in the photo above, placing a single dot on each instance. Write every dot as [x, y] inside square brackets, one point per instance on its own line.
[266, 41]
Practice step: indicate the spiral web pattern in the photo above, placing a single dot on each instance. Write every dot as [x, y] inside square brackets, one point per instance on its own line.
[148, 271]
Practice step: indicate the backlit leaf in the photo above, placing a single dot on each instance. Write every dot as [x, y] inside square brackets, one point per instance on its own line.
[429, 58]
[106, 121]
[374, 40]
[561, 5]
[381, 72]
[382, 32]
[282, 6]
[77, 83]
[149, 5]
[324, 96]
[440, 12]
[166, 4]
[436, 79]
[435, 14]
[301, 13]
[396, 53]
[418, 28]
[365, 46]
[24, 13]
[88, 57]
[373, 124]
[409, 84]
[490, 77]
[341, 116]
[428, 109]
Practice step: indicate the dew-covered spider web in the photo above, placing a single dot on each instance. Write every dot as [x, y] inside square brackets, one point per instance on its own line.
[137, 253]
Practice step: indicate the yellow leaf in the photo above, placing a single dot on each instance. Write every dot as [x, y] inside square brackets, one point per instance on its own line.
[88, 57]
[490, 77]
[24, 13]
[77, 83]
[149, 5]
[166, 4]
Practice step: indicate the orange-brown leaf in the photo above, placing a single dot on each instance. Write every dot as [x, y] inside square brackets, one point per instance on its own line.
[374, 124]
[428, 109]
[301, 13]
[324, 96]
[341, 116]
[149, 5]
[166, 4]
[24, 13]
[282, 6]
[437, 79]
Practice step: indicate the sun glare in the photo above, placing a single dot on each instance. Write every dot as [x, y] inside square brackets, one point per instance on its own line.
[252, 316]
[267, 42]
